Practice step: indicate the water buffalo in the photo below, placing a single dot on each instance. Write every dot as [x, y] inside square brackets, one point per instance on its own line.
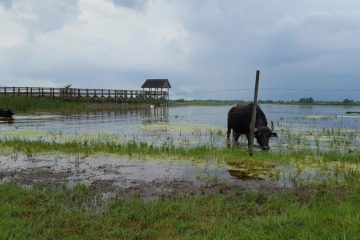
[6, 113]
[239, 119]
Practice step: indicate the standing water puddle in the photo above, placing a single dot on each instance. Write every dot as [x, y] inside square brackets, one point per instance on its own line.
[121, 172]
[149, 178]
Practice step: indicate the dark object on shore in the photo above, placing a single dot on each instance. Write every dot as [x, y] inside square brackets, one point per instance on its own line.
[6, 113]
[239, 118]
[353, 113]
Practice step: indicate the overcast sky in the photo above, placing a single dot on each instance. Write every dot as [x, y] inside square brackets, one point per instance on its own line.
[206, 48]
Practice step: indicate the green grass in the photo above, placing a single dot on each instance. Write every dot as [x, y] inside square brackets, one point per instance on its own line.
[38, 104]
[25, 104]
[173, 152]
[326, 210]
[315, 212]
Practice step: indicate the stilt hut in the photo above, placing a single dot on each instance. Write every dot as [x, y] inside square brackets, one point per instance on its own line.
[158, 88]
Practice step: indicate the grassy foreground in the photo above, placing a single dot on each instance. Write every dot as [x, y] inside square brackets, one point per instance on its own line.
[325, 211]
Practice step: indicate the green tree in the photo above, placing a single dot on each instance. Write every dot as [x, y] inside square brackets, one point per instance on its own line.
[348, 100]
[306, 100]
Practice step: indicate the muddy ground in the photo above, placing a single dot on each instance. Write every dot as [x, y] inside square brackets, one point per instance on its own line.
[124, 177]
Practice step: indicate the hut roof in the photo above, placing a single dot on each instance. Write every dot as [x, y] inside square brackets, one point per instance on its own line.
[156, 83]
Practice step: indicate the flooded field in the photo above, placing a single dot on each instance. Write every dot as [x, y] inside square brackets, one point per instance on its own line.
[325, 127]
[300, 128]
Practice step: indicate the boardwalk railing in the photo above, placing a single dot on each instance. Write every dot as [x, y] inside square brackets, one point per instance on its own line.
[78, 94]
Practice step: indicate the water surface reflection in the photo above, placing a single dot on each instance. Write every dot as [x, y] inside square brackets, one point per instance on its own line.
[297, 126]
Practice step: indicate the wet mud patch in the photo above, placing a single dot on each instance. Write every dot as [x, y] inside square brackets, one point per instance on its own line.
[126, 176]
[123, 176]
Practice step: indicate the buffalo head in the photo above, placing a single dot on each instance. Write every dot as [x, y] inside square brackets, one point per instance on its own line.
[263, 134]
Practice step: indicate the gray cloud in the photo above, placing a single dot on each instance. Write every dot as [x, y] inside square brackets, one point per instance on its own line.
[133, 4]
[199, 46]
[6, 3]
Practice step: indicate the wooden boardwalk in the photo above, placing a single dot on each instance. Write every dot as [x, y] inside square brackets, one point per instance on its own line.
[87, 94]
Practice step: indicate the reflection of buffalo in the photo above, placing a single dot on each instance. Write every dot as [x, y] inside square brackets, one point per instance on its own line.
[242, 175]
[239, 119]
[6, 113]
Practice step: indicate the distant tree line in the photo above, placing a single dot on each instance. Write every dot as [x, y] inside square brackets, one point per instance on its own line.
[310, 100]
[348, 101]
[304, 100]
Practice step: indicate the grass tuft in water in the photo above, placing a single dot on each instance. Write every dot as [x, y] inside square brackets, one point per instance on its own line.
[205, 152]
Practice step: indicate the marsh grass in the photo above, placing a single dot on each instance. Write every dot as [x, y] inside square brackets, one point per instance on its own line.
[307, 136]
[45, 104]
[326, 211]
[290, 163]
[205, 152]
[26, 104]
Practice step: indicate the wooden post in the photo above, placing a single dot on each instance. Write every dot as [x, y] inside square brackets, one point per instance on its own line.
[253, 117]
[168, 96]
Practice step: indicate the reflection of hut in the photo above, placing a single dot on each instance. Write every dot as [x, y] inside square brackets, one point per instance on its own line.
[159, 88]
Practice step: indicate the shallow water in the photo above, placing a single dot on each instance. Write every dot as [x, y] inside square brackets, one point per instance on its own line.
[113, 174]
[152, 176]
[325, 127]
[298, 127]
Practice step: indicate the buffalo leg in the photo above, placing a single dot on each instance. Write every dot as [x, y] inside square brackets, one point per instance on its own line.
[228, 133]
[248, 138]
[236, 136]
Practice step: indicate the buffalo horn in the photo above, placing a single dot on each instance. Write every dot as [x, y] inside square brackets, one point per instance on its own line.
[272, 126]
